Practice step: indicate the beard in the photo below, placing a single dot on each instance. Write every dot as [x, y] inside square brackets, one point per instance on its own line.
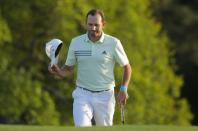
[94, 34]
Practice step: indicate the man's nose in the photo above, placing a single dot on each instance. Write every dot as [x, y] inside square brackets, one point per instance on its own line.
[93, 27]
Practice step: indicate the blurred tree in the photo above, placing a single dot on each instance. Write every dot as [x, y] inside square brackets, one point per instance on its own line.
[25, 102]
[179, 19]
[22, 98]
[154, 89]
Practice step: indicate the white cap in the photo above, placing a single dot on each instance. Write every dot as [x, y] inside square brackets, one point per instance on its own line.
[52, 49]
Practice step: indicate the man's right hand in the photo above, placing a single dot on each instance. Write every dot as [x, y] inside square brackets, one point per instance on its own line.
[65, 71]
[54, 69]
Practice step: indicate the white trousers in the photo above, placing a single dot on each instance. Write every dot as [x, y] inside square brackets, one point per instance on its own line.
[87, 105]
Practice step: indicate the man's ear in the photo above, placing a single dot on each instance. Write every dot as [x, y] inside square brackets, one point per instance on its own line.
[104, 23]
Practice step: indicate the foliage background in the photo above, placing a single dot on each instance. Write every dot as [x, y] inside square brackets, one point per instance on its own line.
[30, 95]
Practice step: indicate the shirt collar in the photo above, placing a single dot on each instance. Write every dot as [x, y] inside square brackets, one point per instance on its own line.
[101, 40]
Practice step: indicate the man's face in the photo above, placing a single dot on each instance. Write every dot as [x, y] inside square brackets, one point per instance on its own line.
[94, 25]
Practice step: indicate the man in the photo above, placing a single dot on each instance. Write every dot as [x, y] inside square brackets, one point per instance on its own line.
[95, 54]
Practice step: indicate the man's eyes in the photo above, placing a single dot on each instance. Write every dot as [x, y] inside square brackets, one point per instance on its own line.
[93, 24]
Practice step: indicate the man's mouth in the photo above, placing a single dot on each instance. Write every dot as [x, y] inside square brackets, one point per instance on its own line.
[93, 31]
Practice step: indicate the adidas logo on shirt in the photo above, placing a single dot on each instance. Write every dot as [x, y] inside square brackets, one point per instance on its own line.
[104, 52]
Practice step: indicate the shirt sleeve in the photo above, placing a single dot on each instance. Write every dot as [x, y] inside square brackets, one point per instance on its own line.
[120, 54]
[71, 58]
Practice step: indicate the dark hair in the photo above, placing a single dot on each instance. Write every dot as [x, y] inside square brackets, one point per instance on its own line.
[94, 12]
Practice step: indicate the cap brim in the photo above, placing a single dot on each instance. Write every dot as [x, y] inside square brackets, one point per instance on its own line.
[56, 44]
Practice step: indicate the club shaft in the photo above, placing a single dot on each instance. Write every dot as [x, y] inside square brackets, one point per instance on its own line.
[122, 114]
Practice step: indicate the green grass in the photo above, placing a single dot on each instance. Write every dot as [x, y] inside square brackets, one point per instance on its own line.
[113, 128]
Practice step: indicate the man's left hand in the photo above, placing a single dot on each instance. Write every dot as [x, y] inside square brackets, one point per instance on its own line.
[122, 97]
